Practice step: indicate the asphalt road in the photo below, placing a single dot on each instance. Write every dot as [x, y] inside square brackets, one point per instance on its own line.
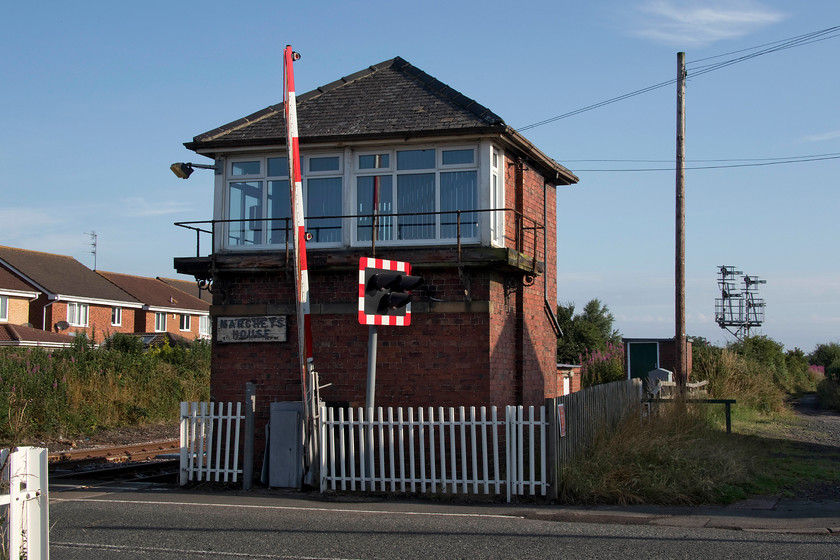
[165, 523]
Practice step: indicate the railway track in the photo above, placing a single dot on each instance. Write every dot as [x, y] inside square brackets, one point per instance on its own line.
[145, 462]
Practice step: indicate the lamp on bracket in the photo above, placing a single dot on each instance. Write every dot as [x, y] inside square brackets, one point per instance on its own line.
[183, 170]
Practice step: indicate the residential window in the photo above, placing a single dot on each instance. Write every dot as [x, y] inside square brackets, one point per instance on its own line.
[204, 325]
[116, 316]
[4, 308]
[427, 188]
[497, 197]
[324, 198]
[77, 314]
[185, 322]
[160, 322]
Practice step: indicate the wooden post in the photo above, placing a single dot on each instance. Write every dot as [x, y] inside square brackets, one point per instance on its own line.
[248, 458]
[679, 337]
[553, 462]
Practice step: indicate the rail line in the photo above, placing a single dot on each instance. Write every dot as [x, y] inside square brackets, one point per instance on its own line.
[143, 462]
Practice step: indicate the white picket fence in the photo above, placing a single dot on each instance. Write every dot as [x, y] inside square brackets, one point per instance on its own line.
[210, 442]
[434, 452]
[24, 501]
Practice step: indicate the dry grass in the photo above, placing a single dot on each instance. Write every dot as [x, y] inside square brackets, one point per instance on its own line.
[673, 457]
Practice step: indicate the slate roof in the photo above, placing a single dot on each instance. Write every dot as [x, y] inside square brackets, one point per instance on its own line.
[17, 335]
[389, 100]
[61, 275]
[154, 293]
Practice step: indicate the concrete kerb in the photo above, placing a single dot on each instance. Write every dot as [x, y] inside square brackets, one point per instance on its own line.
[761, 514]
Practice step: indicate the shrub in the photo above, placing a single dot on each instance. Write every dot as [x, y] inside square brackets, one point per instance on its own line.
[77, 390]
[732, 375]
[828, 393]
[603, 366]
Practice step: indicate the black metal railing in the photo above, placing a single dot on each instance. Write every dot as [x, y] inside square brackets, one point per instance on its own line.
[523, 234]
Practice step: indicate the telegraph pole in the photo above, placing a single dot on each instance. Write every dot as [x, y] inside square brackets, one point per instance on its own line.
[679, 338]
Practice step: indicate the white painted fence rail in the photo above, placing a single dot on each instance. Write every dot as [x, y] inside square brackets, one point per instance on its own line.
[210, 442]
[24, 501]
[433, 450]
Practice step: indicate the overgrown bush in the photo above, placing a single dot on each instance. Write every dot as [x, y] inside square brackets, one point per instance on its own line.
[75, 391]
[732, 375]
[789, 371]
[602, 366]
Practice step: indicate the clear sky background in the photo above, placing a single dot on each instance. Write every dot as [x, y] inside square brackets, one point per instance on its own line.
[97, 99]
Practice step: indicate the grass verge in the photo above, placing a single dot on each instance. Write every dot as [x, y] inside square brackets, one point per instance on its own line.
[682, 456]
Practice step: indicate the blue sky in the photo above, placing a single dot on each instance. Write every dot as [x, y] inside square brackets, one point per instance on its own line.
[98, 97]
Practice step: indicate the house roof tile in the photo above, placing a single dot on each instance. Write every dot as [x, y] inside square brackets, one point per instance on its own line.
[27, 336]
[61, 275]
[9, 281]
[188, 286]
[155, 293]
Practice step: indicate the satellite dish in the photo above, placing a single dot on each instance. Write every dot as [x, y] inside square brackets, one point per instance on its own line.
[62, 325]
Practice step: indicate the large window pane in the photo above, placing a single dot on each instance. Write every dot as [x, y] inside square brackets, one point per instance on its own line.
[245, 168]
[324, 199]
[278, 167]
[365, 204]
[245, 206]
[4, 308]
[415, 159]
[415, 194]
[458, 191]
[279, 224]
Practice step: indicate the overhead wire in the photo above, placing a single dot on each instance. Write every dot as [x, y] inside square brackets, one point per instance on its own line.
[755, 163]
[776, 46]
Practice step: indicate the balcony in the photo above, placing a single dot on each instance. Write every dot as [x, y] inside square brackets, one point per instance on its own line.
[500, 237]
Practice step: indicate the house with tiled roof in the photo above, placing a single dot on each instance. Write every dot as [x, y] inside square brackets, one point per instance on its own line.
[396, 165]
[15, 297]
[71, 298]
[165, 308]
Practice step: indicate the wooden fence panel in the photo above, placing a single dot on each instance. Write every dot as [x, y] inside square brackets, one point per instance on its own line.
[593, 410]
[210, 440]
[439, 451]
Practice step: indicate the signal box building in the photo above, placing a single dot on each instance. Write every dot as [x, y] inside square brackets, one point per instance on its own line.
[395, 165]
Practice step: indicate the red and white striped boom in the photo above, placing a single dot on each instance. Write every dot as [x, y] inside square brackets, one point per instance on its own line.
[309, 383]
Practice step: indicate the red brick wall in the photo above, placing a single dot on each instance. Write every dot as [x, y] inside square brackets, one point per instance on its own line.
[526, 192]
[99, 319]
[145, 322]
[499, 355]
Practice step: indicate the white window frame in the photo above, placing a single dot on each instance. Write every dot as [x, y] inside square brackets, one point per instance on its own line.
[4, 309]
[490, 226]
[78, 314]
[184, 319]
[437, 170]
[160, 321]
[307, 174]
[116, 316]
[204, 325]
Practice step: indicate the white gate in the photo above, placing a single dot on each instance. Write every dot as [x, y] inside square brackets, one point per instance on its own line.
[24, 501]
[210, 442]
[434, 451]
